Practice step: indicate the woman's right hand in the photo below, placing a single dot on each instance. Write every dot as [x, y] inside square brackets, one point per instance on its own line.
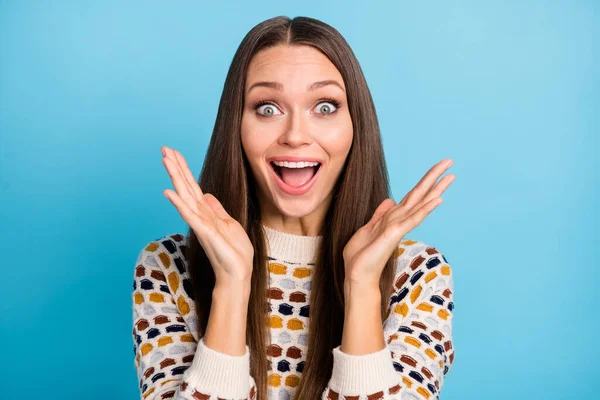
[222, 237]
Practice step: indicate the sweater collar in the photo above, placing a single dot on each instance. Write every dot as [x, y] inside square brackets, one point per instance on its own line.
[292, 248]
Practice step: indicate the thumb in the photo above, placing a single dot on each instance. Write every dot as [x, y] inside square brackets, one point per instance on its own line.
[216, 206]
[380, 210]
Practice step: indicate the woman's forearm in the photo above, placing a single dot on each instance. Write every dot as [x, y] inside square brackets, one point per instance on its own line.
[226, 330]
[363, 327]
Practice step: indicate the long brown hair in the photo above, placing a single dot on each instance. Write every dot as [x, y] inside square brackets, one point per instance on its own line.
[362, 186]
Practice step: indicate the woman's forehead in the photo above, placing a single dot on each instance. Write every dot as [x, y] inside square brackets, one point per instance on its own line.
[291, 65]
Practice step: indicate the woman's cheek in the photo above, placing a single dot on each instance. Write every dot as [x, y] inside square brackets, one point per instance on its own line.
[337, 139]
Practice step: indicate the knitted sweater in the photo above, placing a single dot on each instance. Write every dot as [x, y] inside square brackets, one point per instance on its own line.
[172, 362]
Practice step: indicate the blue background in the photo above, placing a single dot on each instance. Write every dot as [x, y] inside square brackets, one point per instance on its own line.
[509, 90]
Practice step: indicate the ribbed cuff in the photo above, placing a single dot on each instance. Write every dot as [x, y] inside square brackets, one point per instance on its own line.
[216, 373]
[362, 374]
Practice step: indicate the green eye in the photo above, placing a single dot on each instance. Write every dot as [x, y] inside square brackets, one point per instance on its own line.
[268, 109]
[327, 106]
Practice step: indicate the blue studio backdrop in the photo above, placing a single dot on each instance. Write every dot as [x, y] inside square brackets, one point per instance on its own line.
[90, 91]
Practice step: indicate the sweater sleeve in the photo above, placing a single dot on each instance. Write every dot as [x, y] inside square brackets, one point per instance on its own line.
[418, 335]
[169, 363]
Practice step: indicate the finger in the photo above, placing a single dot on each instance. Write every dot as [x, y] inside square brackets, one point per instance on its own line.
[179, 184]
[410, 223]
[425, 184]
[188, 175]
[196, 196]
[171, 153]
[187, 195]
[216, 206]
[437, 190]
[184, 210]
[384, 206]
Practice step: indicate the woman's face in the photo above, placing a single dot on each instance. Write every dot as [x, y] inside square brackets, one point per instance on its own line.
[295, 108]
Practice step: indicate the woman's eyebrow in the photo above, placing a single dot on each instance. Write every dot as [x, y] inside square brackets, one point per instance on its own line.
[313, 86]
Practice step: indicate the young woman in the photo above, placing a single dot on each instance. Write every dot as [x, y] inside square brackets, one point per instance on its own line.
[292, 213]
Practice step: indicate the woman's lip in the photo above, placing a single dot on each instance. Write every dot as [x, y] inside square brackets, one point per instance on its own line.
[294, 159]
[291, 189]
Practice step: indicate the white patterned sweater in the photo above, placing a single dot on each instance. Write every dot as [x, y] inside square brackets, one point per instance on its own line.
[172, 362]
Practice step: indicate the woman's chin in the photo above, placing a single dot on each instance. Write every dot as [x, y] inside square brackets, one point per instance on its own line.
[295, 208]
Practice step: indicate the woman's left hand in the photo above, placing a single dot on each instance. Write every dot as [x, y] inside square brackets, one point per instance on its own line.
[367, 252]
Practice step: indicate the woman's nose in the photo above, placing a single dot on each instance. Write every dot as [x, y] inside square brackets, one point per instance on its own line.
[297, 131]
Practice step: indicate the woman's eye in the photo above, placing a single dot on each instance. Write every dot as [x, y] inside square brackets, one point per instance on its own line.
[267, 110]
[326, 107]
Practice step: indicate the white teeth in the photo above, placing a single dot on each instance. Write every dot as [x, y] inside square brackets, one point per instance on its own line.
[301, 164]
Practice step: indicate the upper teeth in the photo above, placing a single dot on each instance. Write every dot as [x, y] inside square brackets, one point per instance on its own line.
[291, 164]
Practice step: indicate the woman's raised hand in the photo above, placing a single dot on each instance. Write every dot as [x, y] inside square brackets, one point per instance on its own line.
[222, 237]
[368, 250]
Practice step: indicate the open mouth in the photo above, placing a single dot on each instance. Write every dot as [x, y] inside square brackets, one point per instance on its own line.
[295, 177]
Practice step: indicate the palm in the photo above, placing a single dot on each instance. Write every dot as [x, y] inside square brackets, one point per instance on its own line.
[368, 250]
[224, 240]
[363, 255]
[226, 244]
